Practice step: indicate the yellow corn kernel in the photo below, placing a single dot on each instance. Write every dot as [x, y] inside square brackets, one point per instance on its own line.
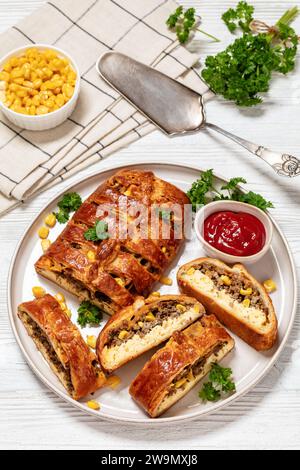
[37, 83]
[50, 220]
[38, 292]
[63, 305]
[120, 281]
[50, 54]
[94, 405]
[91, 255]
[269, 285]
[140, 323]
[68, 313]
[226, 280]
[127, 193]
[91, 341]
[181, 308]
[32, 110]
[60, 297]
[19, 81]
[246, 303]
[155, 294]
[59, 100]
[149, 317]
[164, 249]
[45, 244]
[16, 73]
[180, 382]
[197, 308]
[28, 84]
[7, 67]
[4, 76]
[43, 232]
[167, 281]
[36, 100]
[246, 291]
[190, 271]
[190, 376]
[113, 381]
[123, 334]
[42, 110]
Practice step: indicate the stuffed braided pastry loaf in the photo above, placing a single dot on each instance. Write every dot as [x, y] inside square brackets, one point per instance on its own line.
[121, 268]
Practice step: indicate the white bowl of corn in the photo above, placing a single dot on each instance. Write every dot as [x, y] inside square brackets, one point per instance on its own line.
[39, 86]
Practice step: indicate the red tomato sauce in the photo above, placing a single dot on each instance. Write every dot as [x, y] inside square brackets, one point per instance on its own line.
[235, 233]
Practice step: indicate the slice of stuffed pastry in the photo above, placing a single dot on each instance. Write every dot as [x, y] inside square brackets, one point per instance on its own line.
[180, 364]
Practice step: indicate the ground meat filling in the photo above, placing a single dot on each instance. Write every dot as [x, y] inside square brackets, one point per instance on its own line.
[215, 273]
[192, 371]
[37, 333]
[141, 326]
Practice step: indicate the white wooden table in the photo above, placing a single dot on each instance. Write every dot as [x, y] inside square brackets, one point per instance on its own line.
[267, 417]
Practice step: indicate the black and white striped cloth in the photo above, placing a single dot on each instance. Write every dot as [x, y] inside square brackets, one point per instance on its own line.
[102, 122]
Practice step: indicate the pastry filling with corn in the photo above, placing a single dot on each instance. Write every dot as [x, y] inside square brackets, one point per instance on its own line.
[37, 82]
[232, 290]
[155, 316]
[189, 374]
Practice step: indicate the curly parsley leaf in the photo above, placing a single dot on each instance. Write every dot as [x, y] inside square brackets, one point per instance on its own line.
[233, 183]
[209, 392]
[98, 232]
[222, 376]
[198, 192]
[184, 23]
[253, 199]
[69, 203]
[62, 216]
[88, 314]
[220, 381]
[241, 17]
[203, 192]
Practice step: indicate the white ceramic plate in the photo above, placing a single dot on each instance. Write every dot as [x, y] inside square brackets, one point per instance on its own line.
[248, 365]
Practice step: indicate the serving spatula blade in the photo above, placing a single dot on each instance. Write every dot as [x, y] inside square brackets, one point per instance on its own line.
[173, 107]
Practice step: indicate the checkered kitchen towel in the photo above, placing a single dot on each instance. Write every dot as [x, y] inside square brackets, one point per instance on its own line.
[102, 122]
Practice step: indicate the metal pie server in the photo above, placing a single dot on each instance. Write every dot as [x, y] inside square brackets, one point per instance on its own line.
[173, 107]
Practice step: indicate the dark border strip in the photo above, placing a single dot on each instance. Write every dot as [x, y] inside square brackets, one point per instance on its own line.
[23, 34]
[141, 20]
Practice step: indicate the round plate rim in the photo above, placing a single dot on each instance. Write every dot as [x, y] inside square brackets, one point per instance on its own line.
[146, 420]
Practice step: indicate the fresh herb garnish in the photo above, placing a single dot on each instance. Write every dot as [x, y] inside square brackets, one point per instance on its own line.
[209, 392]
[239, 17]
[220, 381]
[69, 203]
[88, 314]
[244, 70]
[185, 22]
[98, 232]
[203, 192]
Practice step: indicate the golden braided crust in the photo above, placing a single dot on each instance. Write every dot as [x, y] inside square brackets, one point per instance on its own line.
[62, 345]
[151, 386]
[123, 267]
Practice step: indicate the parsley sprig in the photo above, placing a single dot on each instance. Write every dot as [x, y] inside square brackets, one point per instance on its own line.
[244, 69]
[69, 203]
[98, 232]
[183, 22]
[220, 381]
[241, 17]
[203, 192]
[88, 314]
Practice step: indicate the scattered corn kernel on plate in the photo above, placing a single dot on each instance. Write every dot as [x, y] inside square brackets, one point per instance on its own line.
[113, 402]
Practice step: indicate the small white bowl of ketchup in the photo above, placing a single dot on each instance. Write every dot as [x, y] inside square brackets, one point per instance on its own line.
[234, 231]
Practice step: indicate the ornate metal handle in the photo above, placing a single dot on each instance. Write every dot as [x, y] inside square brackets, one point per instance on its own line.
[283, 164]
